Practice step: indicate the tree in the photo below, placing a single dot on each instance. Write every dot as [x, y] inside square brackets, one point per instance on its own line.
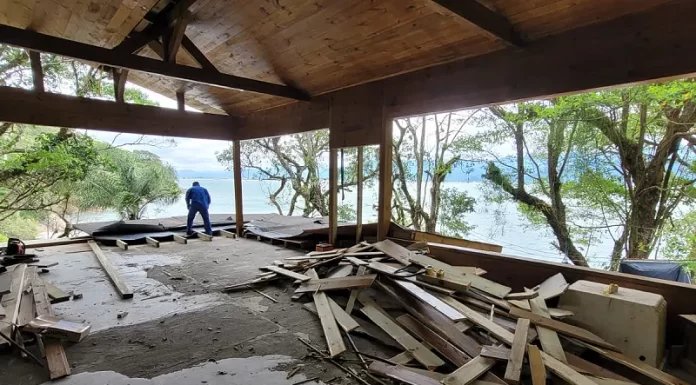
[426, 159]
[298, 163]
[618, 161]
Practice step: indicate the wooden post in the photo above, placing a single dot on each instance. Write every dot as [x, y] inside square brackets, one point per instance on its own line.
[385, 180]
[181, 100]
[120, 77]
[333, 195]
[37, 71]
[359, 208]
[238, 203]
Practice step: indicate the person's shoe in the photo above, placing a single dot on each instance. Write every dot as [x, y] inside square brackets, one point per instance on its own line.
[189, 233]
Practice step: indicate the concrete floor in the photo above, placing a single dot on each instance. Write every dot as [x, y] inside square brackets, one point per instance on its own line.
[180, 329]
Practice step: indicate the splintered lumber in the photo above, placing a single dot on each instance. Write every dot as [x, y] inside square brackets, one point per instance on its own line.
[6, 281]
[480, 320]
[354, 293]
[57, 295]
[431, 300]
[308, 258]
[398, 252]
[548, 338]
[402, 358]
[447, 350]
[555, 312]
[457, 283]
[228, 234]
[553, 287]
[204, 236]
[357, 261]
[513, 370]
[520, 303]
[345, 321]
[287, 273]
[12, 301]
[498, 352]
[587, 367]
[334, 341]
[122, 244]
[180, 239]
[152, 242]
[469, 372]
[462, 283]
[564, 371]
[121, 286]
[523, 295]
[56, 358]
[536, 365]
[632, 363]
[336, 283]
[564, 328]
[424, 261]
[401, 374]
[340, 271]
[378, 316]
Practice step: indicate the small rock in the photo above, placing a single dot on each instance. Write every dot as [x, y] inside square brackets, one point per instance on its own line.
[121, 314]
[251, 349]
[221, 373]
[210, 329]
[205, 281]
[164, 338]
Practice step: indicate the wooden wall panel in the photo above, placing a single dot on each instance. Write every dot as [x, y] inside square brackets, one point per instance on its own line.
[288, 119]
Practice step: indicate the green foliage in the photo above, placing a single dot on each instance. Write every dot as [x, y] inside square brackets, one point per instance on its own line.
[455, 205]
[680, 241]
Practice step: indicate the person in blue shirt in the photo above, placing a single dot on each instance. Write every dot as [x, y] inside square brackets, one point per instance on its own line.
[198, 201]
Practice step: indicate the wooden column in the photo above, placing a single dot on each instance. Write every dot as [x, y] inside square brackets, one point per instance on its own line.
[359, 203]
[385, 179]
[333, 195]
[37, 71]
[120, 77]
[181, 101]
[238, 206]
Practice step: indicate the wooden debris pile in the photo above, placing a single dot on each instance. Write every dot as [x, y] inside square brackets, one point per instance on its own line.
[455, 326]
[26, 318]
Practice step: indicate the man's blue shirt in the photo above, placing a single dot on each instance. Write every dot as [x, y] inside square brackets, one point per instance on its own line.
[198, 194]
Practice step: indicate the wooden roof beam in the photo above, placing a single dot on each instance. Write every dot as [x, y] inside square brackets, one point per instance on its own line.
[50, 44]
[197, 55]
[491, 22]
[173, 38]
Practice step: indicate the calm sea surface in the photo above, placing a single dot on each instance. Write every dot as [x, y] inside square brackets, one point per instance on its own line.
[495, 224]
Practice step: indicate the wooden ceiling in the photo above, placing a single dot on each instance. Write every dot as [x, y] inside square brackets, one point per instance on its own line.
[314, 45]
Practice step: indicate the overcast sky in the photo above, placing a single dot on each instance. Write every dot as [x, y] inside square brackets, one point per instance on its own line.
[182, 153]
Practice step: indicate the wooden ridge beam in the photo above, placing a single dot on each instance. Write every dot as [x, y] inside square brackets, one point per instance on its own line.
[48, 109]
[489, 21]
[45, 43]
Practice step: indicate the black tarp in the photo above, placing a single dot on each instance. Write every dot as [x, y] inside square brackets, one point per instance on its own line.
[670, 271]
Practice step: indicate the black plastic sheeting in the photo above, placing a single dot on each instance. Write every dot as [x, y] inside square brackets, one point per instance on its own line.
[655, 269]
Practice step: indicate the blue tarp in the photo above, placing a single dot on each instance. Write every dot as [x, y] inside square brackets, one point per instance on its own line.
[655, 269]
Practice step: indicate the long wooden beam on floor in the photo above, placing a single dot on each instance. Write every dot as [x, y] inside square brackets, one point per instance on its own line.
[85, 52]
[180, 239]
[121, 286]
[56, 358]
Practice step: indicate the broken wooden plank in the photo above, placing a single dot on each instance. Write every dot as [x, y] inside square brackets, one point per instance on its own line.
[481, 320]
[334, 341]
[311, 258]
[521, 303]
[228, 234]
[204, 236]
[336, 283]
[121, 286]
[431, 300]
[513, 370]
[56, 294]
[548, 338]
[122, 244]
[357, 261]
[586, 367]
[457, 283]
[340, 271]
[378, 316]
[398, 252]
[27, 310]
[564, 328]
[354, 293]
[424, 261]
[6, 281]
[3, 313]
[345, 321]
[401, 374]
[441, 345]
[632, 363]
[536, 365]
[180, 239]
[564, 371]
[11, 302]
[469, 372]
[152, 242]
[56, 358]
[555, 312]
[553, 287]
[522, 295]
[287, 273]
[497, 352]
[402, 358]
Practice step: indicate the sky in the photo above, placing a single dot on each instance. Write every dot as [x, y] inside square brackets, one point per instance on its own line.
[182, 153]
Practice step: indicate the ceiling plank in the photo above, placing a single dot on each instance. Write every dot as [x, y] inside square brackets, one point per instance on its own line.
[47, 109]
[50, 44]
[478, 14]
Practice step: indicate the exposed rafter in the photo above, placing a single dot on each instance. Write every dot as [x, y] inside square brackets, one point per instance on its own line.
[120, 76]
[36, 71]
[197, 54]
[491, 22]
[45, 43]
[173, 39]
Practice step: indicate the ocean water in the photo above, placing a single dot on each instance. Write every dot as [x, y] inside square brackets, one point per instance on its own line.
[502, 225]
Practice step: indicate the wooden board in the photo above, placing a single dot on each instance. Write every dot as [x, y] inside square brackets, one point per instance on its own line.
[401, 374]
[336, 283]
[228, 234]
[481, 320]
[441, 345]
[345, 321]
[430, 299]
[553, 287]
[548, 338]
[564, 371]
[357, 261]
[536, 365]
[119, 283]
[27, 310]
[334, 341]
[6, 282]
[496, 352]
[513, 370]
[564, 328]
[379, 317]
[122, 244]
[555, 312]
[354, 293]
[56, 358]
[632, 363]
[522, 295]
[180, 239]
[287, 273]
[204, 236]
[56, 294]
[470, 371]
[398, 252]
[152, 242]
[424, 261]
[11, 302]
[587, 367]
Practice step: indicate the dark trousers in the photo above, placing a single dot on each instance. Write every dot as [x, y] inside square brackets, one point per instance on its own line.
[195, 209]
